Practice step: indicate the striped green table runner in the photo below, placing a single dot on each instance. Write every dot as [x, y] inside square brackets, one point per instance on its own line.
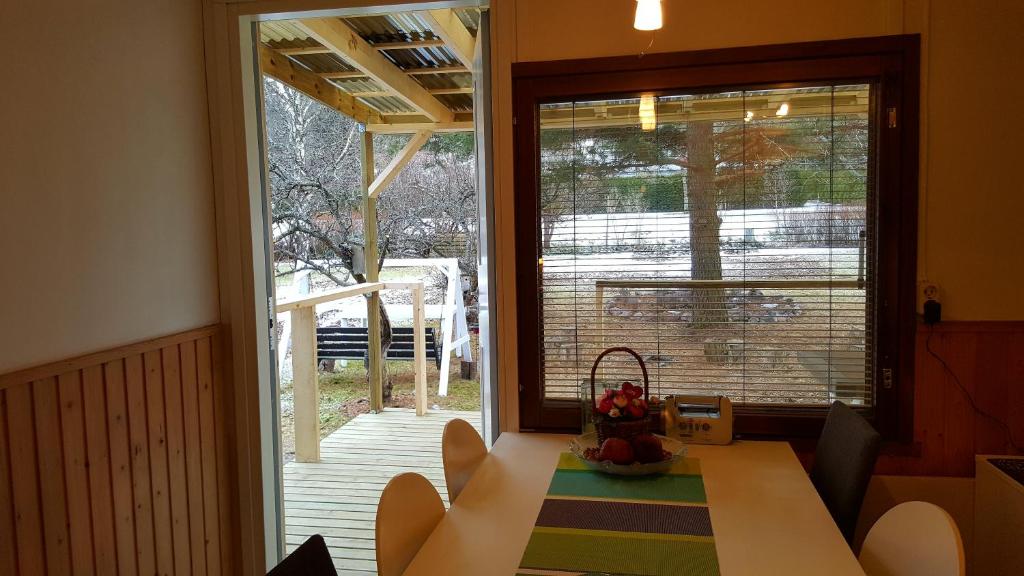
[594, 523]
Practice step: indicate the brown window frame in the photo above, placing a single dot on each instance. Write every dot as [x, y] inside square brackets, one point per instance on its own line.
[889, 63]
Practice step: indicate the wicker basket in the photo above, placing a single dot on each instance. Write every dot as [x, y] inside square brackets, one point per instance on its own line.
[618, 427]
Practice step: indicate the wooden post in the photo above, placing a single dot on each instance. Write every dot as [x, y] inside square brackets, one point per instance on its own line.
[305, 385]
[370, 256]
[419, 348]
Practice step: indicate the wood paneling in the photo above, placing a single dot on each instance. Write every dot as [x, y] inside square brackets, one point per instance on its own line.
[109, 463]
[988, 360]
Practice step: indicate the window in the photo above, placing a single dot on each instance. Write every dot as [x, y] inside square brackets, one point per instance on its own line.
[737, 237]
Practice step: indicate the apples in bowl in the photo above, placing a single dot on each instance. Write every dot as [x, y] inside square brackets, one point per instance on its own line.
[642, 455]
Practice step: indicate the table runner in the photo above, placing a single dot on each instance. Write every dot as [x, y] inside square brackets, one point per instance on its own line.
[591, 522]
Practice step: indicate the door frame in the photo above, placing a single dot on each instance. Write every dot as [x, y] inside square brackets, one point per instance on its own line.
[246, 296]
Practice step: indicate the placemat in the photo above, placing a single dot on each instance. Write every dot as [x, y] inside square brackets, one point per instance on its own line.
[595, 523]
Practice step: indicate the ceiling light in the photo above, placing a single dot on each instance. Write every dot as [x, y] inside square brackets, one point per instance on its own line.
[648, 15]
[648, 117]
[783, 109]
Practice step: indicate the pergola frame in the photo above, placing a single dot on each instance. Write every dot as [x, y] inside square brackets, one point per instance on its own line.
[426, 114]
[422, 110]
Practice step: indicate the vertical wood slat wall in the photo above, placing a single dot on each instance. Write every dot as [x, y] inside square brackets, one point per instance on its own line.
[987, 359]
[111, 464]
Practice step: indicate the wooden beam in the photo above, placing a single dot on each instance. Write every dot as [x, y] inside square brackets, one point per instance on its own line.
[436, 70]
[446, 25]
[346, 43]
[301, 50]
[371, 94]
[329, 296]
[342, 74]
[304, 50]
[435, 91]
[458, 90]
[391, 171]
[433, 42]
[408, 128]
[305, 385]
[281, 68]
[419, 339]
[370, 256]
[408, 71]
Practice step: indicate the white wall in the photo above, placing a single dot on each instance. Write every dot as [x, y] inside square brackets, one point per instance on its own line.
[106, 195]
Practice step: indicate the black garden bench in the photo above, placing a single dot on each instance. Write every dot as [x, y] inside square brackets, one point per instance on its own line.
[335, 343]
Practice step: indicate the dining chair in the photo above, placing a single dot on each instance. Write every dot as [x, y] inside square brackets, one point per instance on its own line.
[843, 462]
[310, 559]
[462, 450]
[409, 509]
[913, 539]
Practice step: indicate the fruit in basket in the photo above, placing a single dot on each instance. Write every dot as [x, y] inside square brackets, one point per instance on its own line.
[632, 392]
[647, 448]
[626, 403]
[617, 450]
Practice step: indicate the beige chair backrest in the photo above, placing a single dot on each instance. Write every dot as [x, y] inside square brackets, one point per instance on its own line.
[913, 539]
[408, 512]
[462, 450]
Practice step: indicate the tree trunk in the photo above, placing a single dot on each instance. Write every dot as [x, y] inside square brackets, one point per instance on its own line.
[386, 337]
[705, 225]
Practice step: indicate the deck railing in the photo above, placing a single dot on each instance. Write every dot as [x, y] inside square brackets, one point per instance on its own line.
[305, 375]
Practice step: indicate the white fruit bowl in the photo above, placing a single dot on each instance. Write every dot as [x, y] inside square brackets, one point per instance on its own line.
[580, 444]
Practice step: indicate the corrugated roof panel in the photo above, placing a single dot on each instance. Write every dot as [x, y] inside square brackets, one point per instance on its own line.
[457, 102]
[387, 104]
[470, 19]
[429, 81]
[390, 28]
[364, 84]
[323, 62]
[281, 30]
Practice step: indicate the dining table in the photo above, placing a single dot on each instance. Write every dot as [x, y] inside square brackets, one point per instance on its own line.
[765, 515]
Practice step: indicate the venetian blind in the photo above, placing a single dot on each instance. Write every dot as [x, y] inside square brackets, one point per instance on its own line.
[726, 237]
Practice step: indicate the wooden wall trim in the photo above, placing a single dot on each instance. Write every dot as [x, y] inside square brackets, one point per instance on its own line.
[116, 462]
[988, 360]
[96, 358]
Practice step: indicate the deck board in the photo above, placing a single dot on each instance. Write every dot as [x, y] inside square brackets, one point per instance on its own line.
[338, 496]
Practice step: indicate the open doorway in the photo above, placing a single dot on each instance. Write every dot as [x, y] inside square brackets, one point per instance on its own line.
[373, 173]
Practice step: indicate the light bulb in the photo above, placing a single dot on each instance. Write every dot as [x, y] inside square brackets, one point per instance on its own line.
[648, 117]
[783, 109]
[648, 15]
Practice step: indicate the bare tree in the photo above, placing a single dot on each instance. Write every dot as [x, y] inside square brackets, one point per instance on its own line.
[316, 196]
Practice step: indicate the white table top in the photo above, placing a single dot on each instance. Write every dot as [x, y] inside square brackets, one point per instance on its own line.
[766, 516]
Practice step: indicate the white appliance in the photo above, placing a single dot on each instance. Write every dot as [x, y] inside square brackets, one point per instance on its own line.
[998, 515]
[698, 419]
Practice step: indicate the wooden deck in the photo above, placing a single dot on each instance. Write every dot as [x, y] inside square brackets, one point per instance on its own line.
[337, 497]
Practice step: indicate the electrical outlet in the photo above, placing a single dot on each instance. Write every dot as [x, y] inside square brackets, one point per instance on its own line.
[926, 290]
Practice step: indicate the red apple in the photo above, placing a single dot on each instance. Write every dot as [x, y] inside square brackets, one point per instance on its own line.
[632, 391]
[617, 450]
[647, 448]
